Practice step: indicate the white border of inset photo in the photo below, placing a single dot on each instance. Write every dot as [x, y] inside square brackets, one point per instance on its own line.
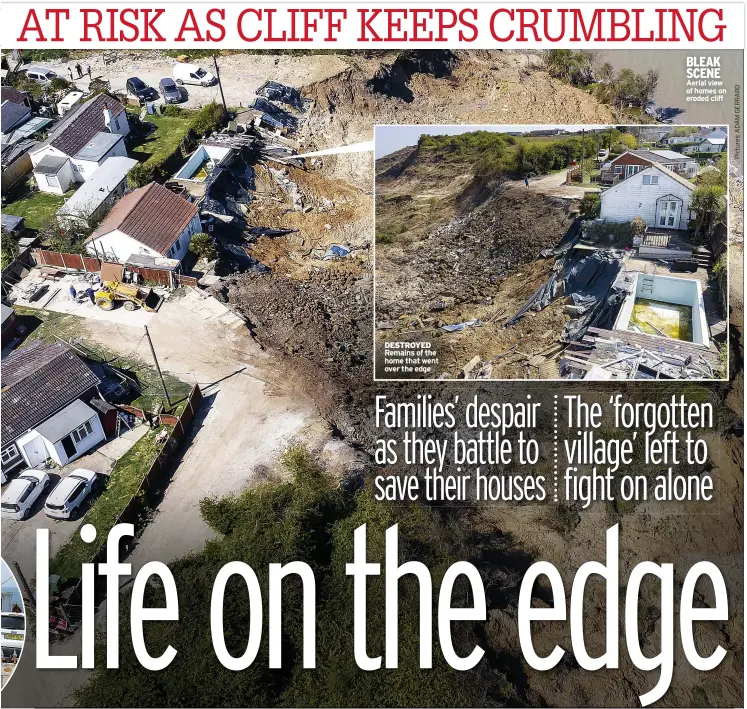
[456, 129]
[10, 583]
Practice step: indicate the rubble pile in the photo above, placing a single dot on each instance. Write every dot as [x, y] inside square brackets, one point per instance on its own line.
[323, 323]
[466, 258]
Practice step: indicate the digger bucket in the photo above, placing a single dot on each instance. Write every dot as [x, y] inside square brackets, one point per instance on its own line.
[152, 301]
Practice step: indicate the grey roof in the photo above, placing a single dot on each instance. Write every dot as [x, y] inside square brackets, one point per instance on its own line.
[59, 425]
[50, 165]
[95, 190]
[98, 146]
[37, 381]
[13, 115]
[11, 222]
[652, 156]
[671, 155]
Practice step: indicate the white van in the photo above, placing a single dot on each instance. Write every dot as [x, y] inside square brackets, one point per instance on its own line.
[193, 74]
[41, 75]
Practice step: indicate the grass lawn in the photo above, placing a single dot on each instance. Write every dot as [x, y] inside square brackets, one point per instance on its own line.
[124, 482]
[165, 139]
[38, 208]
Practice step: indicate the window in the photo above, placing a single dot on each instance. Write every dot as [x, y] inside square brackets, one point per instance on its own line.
[52, 181]
[650, 179]
[116, 123]
[82, 432]
[618, 169]
[10, 453]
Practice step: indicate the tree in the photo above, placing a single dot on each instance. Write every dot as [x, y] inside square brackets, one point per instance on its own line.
[606, 73]
[9, 248]
[717, 177]
[303, 515]
[203, 246]
[628, 140]
[709, 205]
[99, 86]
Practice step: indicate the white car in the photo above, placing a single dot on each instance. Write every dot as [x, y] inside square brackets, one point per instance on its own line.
[41, 75]
[193, 74]
[64, 502]
[13, 632]
[21, 494]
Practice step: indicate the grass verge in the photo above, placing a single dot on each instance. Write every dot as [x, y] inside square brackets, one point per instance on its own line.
[37, 208]
[124, 483]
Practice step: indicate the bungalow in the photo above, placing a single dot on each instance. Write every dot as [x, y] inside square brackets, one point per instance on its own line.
[88, 134]
[714, 142]
[45, 415]
[633, 161]
[151, 221]
[658, 195]
[92, 199]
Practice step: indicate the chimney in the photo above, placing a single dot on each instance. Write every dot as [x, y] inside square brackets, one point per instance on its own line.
[107, 117]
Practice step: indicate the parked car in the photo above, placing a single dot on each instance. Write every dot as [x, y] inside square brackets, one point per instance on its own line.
[13, 631]
[169, 91]
[193, 74]
[137, 87]
[41, 75]
[65, 501]
[21, 494]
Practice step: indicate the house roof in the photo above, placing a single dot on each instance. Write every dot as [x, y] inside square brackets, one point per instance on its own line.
[715, 141]
[656, 166]
[13, 115]
[59, 425]
[98, 146]
[95, 190]
[7, 312]
[81, 123]
[12, 94]
[50, 165]
[670, 155]
[152, 215]
[11, 222]
[37, 381]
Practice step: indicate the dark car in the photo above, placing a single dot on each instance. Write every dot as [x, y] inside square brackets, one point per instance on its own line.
[137, 87]
[170, 91]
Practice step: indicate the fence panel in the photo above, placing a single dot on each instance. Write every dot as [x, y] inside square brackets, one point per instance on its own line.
[73, 261]
[91, 264]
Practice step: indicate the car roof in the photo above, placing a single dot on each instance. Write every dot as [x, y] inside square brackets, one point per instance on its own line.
[136, 78]
[63, 489]
[40, 70]
[14, 490]
[38, 474]
[167, 80]
[14, 614]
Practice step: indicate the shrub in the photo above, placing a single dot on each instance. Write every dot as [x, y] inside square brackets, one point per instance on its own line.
[709, 204]
[203, 246]
[208, 119]
[173, 111]
[139, 176]
[59, 84]
[638, 225]
[99, 86]
[591, 205]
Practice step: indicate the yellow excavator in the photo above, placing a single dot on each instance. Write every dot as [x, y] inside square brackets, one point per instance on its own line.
[111, 292]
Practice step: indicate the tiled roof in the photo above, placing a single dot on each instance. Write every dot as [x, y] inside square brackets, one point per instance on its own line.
[12, 94]
[152, 215]
[81, 123]
[37, 381]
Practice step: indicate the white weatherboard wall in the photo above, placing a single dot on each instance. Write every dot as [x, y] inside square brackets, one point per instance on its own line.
[630, 198]
[669, 289]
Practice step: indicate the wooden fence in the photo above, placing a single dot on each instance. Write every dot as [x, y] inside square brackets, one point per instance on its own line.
[88, 264]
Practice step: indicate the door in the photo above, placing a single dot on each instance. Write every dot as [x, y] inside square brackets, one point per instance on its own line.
[631, 170]
[668, 214]
[35, 452]
[69, 446]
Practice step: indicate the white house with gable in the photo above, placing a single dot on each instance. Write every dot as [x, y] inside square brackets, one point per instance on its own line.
[656, 194]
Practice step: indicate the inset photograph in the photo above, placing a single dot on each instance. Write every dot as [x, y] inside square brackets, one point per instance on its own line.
[551, 252]
[13, 629]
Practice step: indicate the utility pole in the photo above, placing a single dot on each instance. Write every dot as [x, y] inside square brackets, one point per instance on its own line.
[583, 150]
[220, 86]
[158, 369]
[26, 588]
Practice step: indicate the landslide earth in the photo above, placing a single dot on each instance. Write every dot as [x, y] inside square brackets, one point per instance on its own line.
[321, 329]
